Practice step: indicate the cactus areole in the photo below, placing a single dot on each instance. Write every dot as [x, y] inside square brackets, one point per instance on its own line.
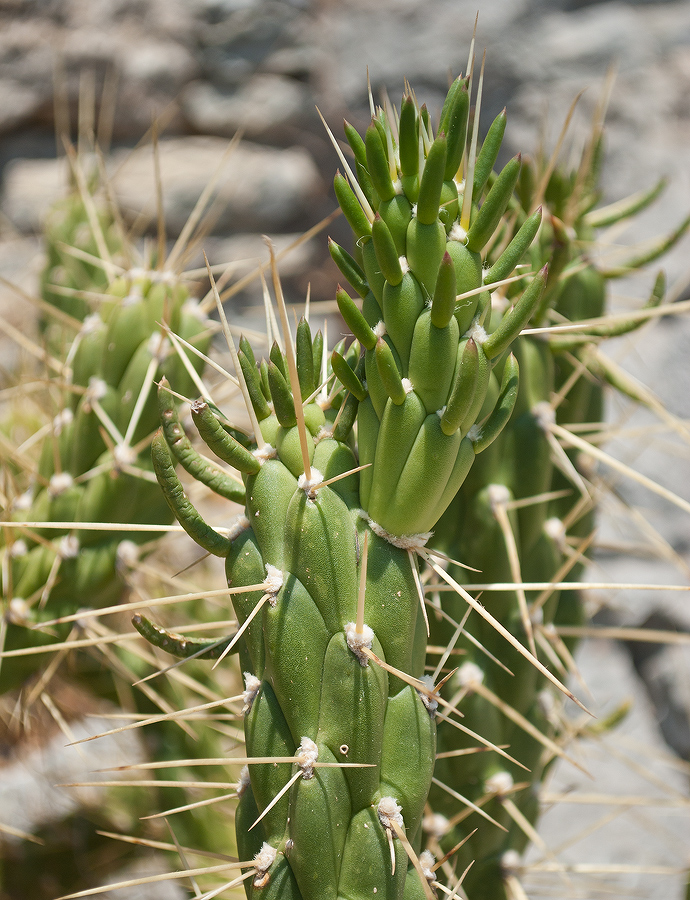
[342, 486]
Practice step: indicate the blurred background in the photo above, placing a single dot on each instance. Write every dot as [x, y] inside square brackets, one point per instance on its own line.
[205, 69]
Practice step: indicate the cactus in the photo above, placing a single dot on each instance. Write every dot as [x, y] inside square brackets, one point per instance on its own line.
[332, 622]
[525, 515]
[94, 465]
[90, 464]
[351, 459]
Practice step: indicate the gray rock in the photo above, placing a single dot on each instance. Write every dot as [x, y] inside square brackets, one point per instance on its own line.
[157, 890]
[260, 189]
[261, 105]
[631, 761]
[21, 260]
[19, 103]
[30, 793]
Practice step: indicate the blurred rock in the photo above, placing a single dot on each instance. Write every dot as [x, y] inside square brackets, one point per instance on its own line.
[33, 778]
[160, 890]
[19, 103]
[630, 761]
[260, 189]
[21, 260]
[263, 104]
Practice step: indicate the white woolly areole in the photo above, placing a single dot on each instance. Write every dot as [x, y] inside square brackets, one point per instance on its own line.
[536, 616]
[379, 329]
[263, 861]
[19, 548]
[356, 641]
[510, 863]
[468, 675]
[135, 295]
[193, 307]
[307, 756]
[474, 433]
[23, 501]
[68, 547]
[309, 485]
[404, 541]
[389, 811]
[243, 781]
[124, 455]
[498, 495]
[264, 453]
[431, 703]
[404, 265]
[436, 825]
[18, 612]
[477, 332]
[407, 385]
[127, 554]
[97, 389]
[547, 702]
[90, 324]
[544, 413]
[59, 483]
[159, 346]
[273, 582]
[251, 689]
[238, 525]
[426, 861]
[499, 783]
[457, 233]
[62, 419]
[555, 529]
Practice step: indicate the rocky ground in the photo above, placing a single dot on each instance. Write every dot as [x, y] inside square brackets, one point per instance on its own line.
[209, 67]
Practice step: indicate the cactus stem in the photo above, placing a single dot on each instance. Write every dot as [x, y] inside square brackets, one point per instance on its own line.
[485, 614]
[258, 436]
[576, 556]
